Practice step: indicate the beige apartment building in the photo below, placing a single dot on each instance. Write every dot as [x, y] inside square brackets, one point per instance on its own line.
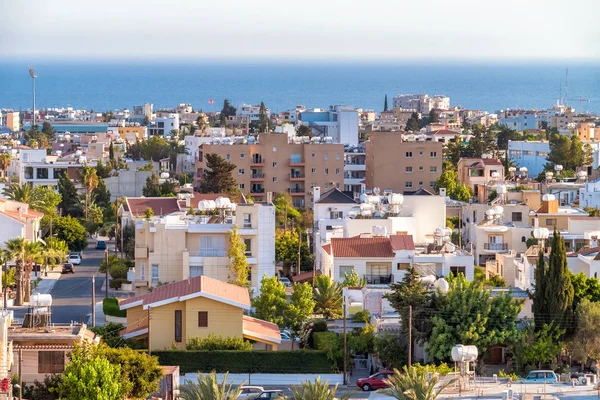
[178, 246]
[276, 163]
[401, 165]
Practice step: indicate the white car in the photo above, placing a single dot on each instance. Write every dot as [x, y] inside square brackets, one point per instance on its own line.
[286, 282]
[250, 392]
[75, 259]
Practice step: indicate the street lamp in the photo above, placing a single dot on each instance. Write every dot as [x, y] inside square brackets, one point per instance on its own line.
[33, 76]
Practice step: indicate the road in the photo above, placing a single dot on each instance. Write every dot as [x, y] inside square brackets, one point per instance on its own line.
[72, 294]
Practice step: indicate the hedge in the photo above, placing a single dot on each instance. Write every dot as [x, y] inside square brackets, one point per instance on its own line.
[277, 362]
[110, 306]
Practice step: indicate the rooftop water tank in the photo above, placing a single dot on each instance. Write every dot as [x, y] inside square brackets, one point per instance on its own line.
[41, 300]
[461, 353]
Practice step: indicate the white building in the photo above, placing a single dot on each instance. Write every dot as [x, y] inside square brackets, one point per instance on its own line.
[18, 220]
[421, 102]
[340, 123]
[249, 111]
[164, 125]
[355, 168]
[530, 154]
[35, 167]
[589, 194]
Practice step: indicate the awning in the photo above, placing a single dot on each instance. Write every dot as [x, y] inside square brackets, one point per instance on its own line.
[261, 331]
[129, 333]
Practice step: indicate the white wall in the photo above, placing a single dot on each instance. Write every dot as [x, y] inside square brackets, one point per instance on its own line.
[10, 229]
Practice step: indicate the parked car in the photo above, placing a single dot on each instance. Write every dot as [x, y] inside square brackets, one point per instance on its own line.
[375, 381]
[541, 376]
[74, 259]
[78, 252]
[101, 245]
[67, 269]
[269, 394]
[286, 282]
[250, 392]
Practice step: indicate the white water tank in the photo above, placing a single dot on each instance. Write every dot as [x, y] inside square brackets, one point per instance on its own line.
[548, 197]
[442, 285]
[41, 300]
[164, 175]
[462, 353]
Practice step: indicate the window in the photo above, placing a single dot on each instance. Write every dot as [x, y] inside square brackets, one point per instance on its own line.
[421, 169]
[403, 266]
[248, 244]
[296, 158]
[274, 149]
[433, 154]
[212, 246]
[432, 184]
[142, 271]
[337, 171]
[336, 214]
[408, 184]
[274, 179]
[433, 170]
[202, 319]
[241, 186]
[314, 170]
[409, 170]
[247, 220]
[421, 183]
[409, 154]
[457, 270]
[242, 155]
[274, 165]
[196, 270]
[178, 326]
[523, 239]
[326, 156]
[326, 171]
[337, 156]
[228, 156]
[241, 171]
[313, 155]
[51, 362]
[326, 186]
[517, 217]
[550, 221]
[421, 153]
[154, 273]
[474, 216]
[345, 269]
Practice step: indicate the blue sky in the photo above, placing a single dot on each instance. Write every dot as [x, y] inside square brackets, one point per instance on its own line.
[376, 30]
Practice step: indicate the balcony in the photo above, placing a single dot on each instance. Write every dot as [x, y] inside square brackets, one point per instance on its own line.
[141, 251]
[257, 161]
[296, 162]
[379, 279]
[495, 247]
[297, 177]
[257, 191]
[257, 177]
[209, 253]
[297, 191]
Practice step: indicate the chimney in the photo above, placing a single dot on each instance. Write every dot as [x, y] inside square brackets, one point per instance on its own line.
[316, 193]
[269, 197]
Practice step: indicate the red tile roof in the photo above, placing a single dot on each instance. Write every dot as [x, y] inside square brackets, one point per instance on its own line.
[378, 247]
[259, 329]
[327, 249]
[134, 331]
[445, 132]
[160, 205]
[402, 242]
[199, 286]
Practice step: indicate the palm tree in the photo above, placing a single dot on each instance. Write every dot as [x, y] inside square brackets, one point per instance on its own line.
[90, 181]
[319, 390]
[33, 253]
[4, 163]
[208, 388]
[23, 194]
[412, 384]
[16, 250]
[328, 297]
[8, 275]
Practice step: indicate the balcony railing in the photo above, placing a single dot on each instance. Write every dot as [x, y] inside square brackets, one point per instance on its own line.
[379, 279]
[495, 246]
[297, 190]
[258, 176]
[257, 190]
[297, 175]
[208, 253]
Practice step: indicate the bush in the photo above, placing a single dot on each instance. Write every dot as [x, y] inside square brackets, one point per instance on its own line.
[361, 316]
[115, 283]
[510, 375]
[443, 369]
[110, 306]
[325, 340]
[277, 362]
[214, 342]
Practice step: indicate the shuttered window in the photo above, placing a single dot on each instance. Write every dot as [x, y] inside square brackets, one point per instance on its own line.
[51, 362]
[202, 319]
[178, 326]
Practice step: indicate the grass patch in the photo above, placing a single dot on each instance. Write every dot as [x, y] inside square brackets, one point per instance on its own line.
[110, 307]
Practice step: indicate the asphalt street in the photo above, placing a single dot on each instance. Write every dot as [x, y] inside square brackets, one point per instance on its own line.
[72, 294]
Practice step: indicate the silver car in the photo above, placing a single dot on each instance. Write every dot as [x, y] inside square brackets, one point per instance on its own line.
[250, 392]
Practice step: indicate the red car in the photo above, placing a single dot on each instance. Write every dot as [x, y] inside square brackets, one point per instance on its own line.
[375, 381]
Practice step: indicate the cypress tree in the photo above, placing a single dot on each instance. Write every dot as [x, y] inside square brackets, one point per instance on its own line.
[559, 290]
[385, 104]
[540, 309]
[111, 152]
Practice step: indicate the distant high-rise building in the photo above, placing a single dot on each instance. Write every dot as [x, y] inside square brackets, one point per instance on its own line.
[421, 102]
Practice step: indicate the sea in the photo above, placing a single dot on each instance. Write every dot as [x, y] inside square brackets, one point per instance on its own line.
[102, 86]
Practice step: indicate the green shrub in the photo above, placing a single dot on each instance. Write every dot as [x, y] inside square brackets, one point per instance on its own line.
[110, 307]
[511, 375]
[325, 340]
[116, 283]
[361, 316]
[443, 369]
[275, 362]
[214, 342]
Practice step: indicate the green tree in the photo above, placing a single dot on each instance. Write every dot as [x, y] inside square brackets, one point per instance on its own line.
[213, 343]
[16, 248]
[454, 189]
[101, 170]
[148, 213]
[264, 122]
[5, 160]
[413, 123]
[286, 215]
[33, 254]
[238, 265]
[152, 187]
[21, 193]
[218, 177]
[270, 305]
[537, 345]
[286, 249]
[414, 384]
[101, 194]
[303, 130]
[385, 103]
[433, 117]
[391, 349]
[111, 152]
[468, 314]
[352, 279]
[585, 343]
[90, 376]
[155, 148]
[89, 179]
[584, 288]
[72, 232]
[454, 150]
[70, 204]
[301, 305]
[328, 297]
[208, 387]
[168, 188]
[45, 390]
[48, 131]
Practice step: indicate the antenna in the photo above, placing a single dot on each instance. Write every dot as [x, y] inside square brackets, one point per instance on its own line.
[567, 85]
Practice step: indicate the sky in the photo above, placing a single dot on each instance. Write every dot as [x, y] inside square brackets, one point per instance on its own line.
[374, 30]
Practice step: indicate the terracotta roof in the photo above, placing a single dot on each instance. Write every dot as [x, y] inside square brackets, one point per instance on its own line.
[160, 205]
[445, 132]
[402, 242]
[327, 249]
[259, 329]
[378, 247]
[199, 286]
[491, 161]
[305, 276]
[584, 251]
[129, 332]
[23, 216]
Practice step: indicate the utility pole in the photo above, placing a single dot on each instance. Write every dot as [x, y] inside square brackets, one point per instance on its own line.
[20, 374]
[345, 347]
[106, 274]
[149, 337]
[299, 245]
[409, 336]
[4, 271]
[93, 300]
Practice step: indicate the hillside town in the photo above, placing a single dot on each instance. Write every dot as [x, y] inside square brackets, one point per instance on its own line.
[335, 249]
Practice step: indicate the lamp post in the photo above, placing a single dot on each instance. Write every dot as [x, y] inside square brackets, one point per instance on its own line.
[33, 76]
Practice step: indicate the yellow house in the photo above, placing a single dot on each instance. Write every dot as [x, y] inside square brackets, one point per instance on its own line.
[195, 307]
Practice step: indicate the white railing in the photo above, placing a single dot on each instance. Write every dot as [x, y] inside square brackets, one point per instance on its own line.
[208, 253]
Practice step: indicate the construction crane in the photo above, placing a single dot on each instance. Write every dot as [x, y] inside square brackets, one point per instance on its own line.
[581, 100]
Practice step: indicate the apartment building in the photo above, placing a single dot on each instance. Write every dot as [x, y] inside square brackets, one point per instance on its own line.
[400, 164]
[479, 173]
[355, 168]
[532, 155]
[143, 111]
[163, 126]
[340, 123]
[422, 103]
[177, 246]
[130, 132]
[35, 167]
[519, 120]
[275, 163]
[11, 120]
